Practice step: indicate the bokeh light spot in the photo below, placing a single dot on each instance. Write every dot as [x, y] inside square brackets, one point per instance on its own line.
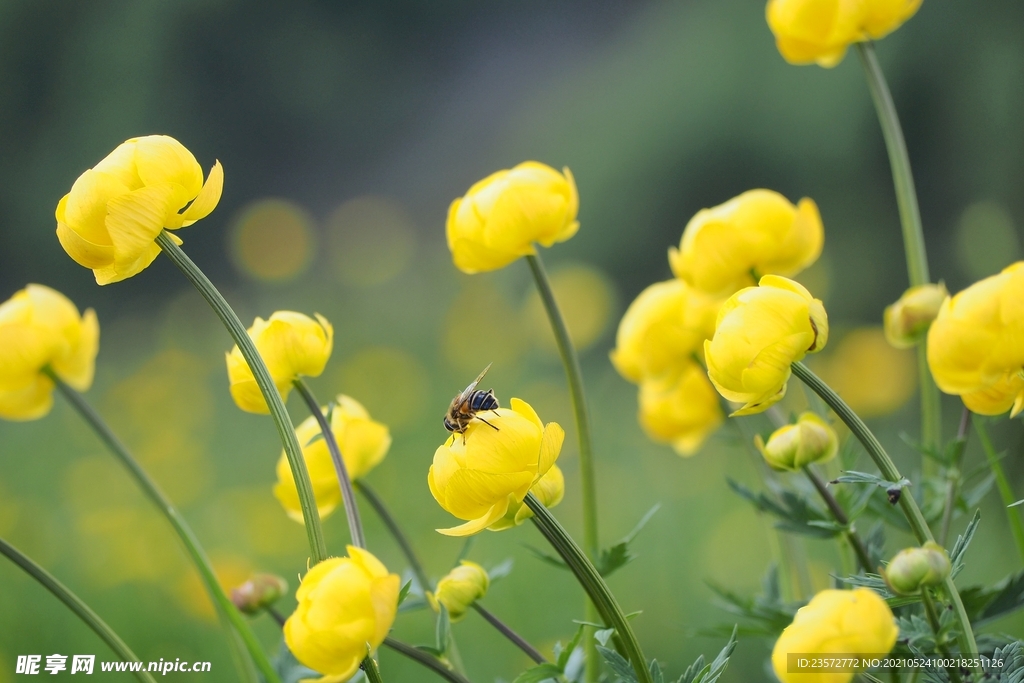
[231, 571]
[986, 239]
[390, 383]
[370, 240]
[272, 240]
[587, 298]
[480, 328]
[870, 375]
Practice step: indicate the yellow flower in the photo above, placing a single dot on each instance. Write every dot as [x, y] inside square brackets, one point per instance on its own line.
[501, 216]
[291, 344]
[549, 490]
[680, 408]
[480, 477]
[820, 31]
[761, 331]
[974, 345]
[363, 443]
[40, 327]
[663, 329]
[914, 568]
[760, 232]
[907, 321]
[835, 622]
[346, 608]
[111, 218]
[460, 588]
[794, 446]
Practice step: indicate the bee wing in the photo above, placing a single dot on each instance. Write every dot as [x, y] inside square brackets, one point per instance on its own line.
[472, 386]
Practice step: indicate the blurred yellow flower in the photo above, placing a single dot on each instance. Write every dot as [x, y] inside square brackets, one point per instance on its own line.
[549, 490]
[663, 329]
[111, 218]
[40, 327]
[835, 622]
[291, 344]
[794, 446]
[346, 608]
[872, 377]
[914, 568]
[460, 588]
[761, 331]
[501, 216]
[680, 408]
[363, 443]
[974, 345]
[478, 476]
[907, 321]
[757, 233]
[820, 31]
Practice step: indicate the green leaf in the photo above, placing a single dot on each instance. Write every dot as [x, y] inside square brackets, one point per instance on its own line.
[893, 489]
[619, 555]
[619, 665]
[541, 672]
[316, 437]
[874, 542]
[698, 668]
[1019, 502]
[404, 593]
[500, 571]
[794, 512]
[546, 557]
[985, 603]
[956, 555]
[721, 663]
[432, 651]
[604, 635]
[655, 670]
[562, 654]
[444, 630]
[770, 616]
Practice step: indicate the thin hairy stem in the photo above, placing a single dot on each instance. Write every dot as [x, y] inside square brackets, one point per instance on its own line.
[427, 660]
[953, 474]
[369, 667]
[1003, 484]
[504, 629]
[863, 557]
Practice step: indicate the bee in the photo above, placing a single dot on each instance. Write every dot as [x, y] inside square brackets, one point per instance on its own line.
[467, 404]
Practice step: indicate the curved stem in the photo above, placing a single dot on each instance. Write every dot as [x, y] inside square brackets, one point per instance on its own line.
[953, 474]
[840, 516]
[933, 620]
[283, 422]
[396, 532]
[1003, 484]
[348, 496]
[429, 661]
[75, 604]
[888, 469]
[516, 639]
[177, 521]
[369, 668]
[588, 481]
[592, 582]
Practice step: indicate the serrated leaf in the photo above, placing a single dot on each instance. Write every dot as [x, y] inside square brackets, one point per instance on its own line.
[618, 664]
[854, 477]
[619, 555]
[956, 555]
[655, 670]
[539, 673]
[985, 603]
[443, 632]
[501, 570]
[721, 662]
[698, 668]
[562, 654]
[793, 511]
[546, 558]
[404, 593]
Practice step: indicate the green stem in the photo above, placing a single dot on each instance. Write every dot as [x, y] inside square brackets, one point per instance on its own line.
[396, 532]
[1003, 484]
[953, 474]
[283, 422]
[593, 583]
[369, 668]
[514, 637]
[588, 480]
[427, 660]
[910, 222]
[75, 604]
[933, 620]
[348, 496]
[888, 469]
[177, 521]
[840, 516]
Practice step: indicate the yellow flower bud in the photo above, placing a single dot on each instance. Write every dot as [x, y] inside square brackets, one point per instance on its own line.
[794, 446]
[480, 477]
[460, 588]
[820, 31]
[549, 490]
[259, 592]
[664, 328]
[974, 347]
[761, 332]
[835, 622]
[363, 442]
[346, 605]
[501, 216]
[759, 232]
[907, 321]
[291, 344]
[680, 408]
[914, 568]
[111, 218]
[40, 327]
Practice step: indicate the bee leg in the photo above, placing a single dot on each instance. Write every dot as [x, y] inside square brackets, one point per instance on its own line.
[488, 423]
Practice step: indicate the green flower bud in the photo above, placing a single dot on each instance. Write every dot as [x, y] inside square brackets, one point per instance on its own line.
[795, 446]
[907, 321]
[457, 591]
[914, 568]
[259, 592]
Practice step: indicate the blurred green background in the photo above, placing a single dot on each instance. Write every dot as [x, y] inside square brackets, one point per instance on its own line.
[345, 129]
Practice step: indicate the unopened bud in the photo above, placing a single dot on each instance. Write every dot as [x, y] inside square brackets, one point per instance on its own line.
[795, 446]
[914, 568]
[907, 321]
[457, 591]
[259, 592]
